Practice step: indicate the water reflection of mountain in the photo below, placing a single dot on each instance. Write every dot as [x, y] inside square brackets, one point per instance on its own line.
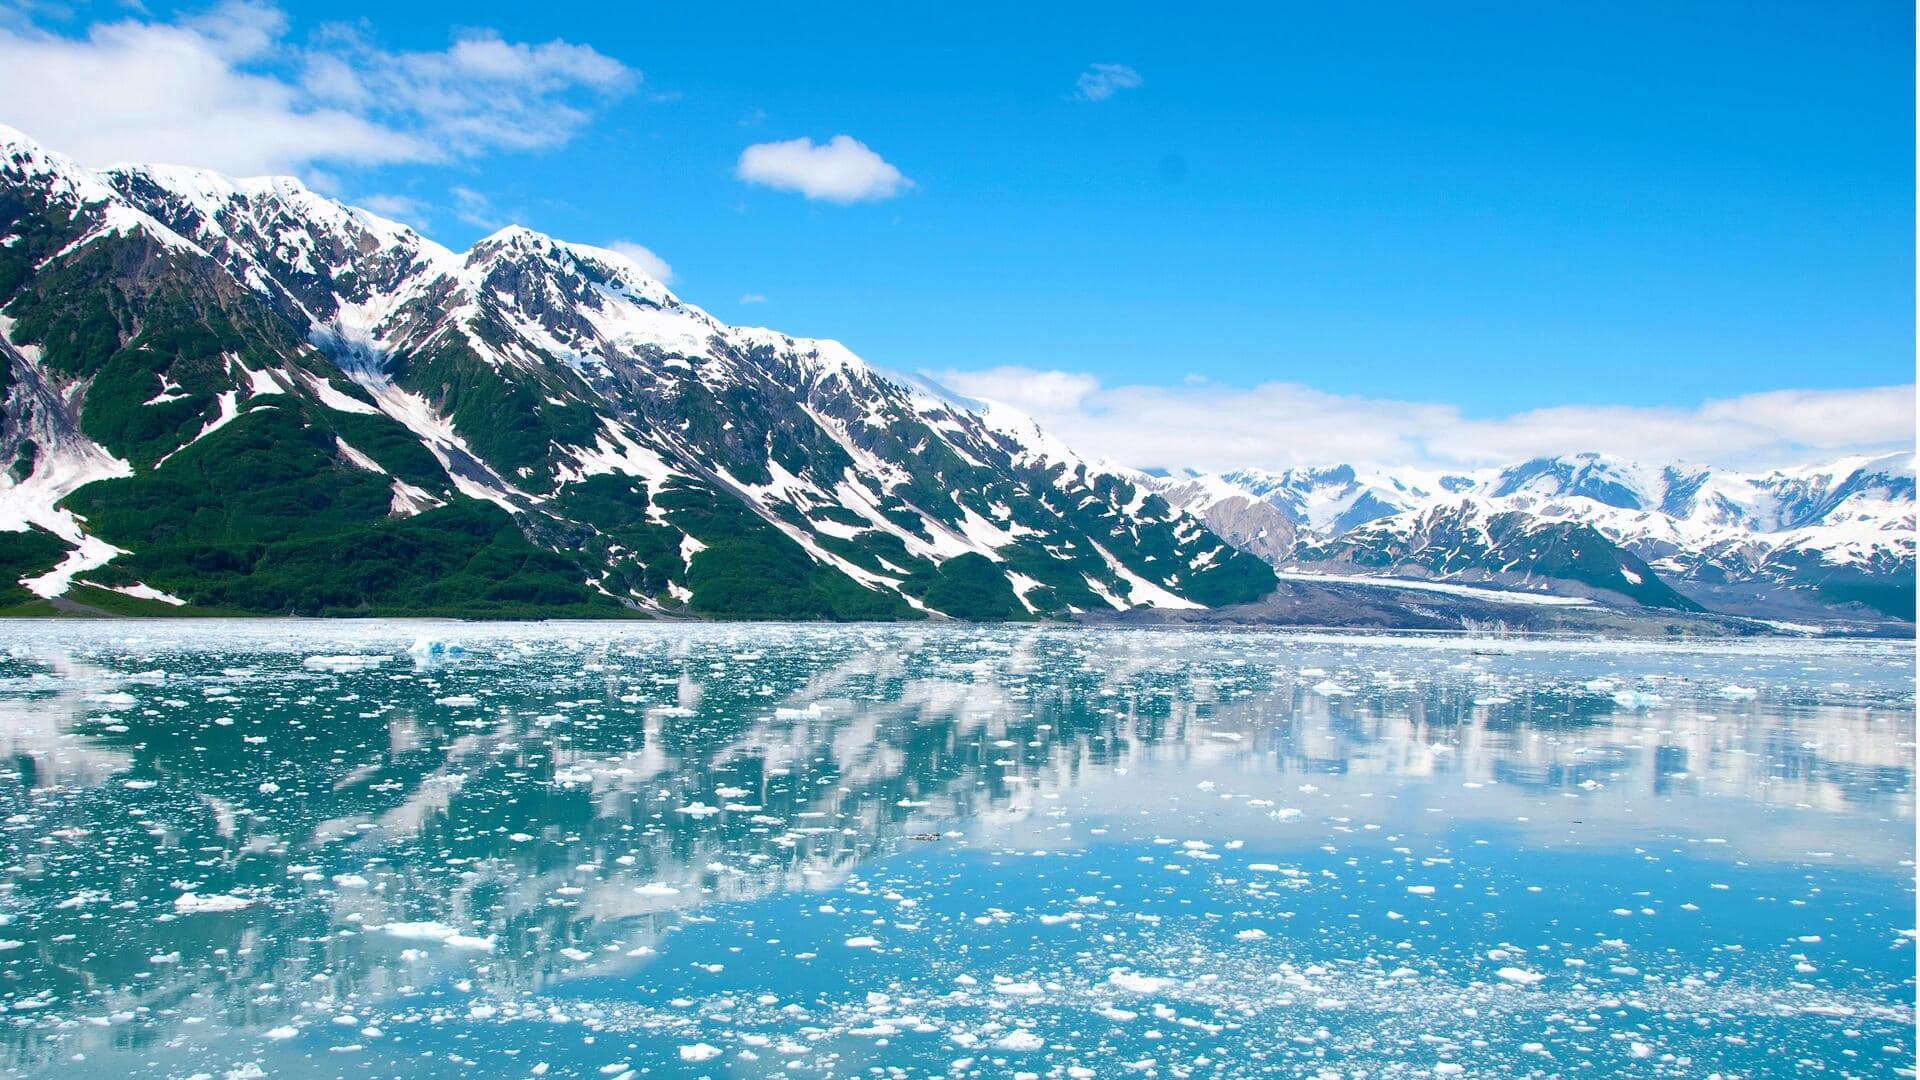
[550, 805]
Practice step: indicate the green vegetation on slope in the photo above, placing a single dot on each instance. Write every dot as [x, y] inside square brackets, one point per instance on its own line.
[751, 570]
[24, 555]
[262, 516]
[509, 416]
[971, 586]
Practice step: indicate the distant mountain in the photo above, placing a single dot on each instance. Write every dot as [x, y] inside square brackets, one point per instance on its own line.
[1830, 541]
[239, 395]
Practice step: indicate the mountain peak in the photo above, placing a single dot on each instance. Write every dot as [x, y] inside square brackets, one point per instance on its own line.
[515, 236]
[210, 185]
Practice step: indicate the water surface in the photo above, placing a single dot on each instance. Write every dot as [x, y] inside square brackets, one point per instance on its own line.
[273, 848]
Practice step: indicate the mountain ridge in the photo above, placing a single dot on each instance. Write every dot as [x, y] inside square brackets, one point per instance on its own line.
[1785, 541]
[403, 393]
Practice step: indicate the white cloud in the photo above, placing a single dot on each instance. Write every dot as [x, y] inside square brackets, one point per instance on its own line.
[840, 170]
[227, 89]
[404, 208]
[659, 268]
[474, 208]
[753, 298]
[1042, 393]
[1100, 81]
[1275, 425]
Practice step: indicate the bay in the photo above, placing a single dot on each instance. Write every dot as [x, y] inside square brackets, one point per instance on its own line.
[344, 848]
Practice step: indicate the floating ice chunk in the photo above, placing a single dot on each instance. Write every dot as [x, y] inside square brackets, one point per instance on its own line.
[656, 888]
[697, 809]
[699, 1052]
[1635, 699]
[192, 903]
[431, 649]
[1329, 688]
[440, 932]
[863, 942]
[810, 712]
[457, 699]
[430, 931]
[1020, 1040]
[1733, 692]
[1420, 890]
[345, 662]
[1135, 983]
[282, 1032]
[1255, 934]
[1519, 975]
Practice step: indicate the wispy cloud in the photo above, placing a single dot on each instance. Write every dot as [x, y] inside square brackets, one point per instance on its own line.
[1275, 425]
[474, 208]
[753, 298]
[841, 170]
[660, 269]
[228, 89]
[404, 208]
[1101, 81]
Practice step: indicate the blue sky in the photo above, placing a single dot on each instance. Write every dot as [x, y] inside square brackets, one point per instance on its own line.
[1496, 208]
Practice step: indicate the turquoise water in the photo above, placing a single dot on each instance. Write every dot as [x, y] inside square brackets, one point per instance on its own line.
[272, 848]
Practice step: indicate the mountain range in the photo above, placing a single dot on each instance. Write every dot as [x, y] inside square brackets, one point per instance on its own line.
[240, 396]
[1816, 542]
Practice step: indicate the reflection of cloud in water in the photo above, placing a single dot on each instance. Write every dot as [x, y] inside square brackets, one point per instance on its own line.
[45, 697]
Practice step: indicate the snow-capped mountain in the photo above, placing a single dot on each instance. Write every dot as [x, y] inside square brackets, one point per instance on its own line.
[225, 394]
[242, 395]
[1787, 542]
[1336, 498]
